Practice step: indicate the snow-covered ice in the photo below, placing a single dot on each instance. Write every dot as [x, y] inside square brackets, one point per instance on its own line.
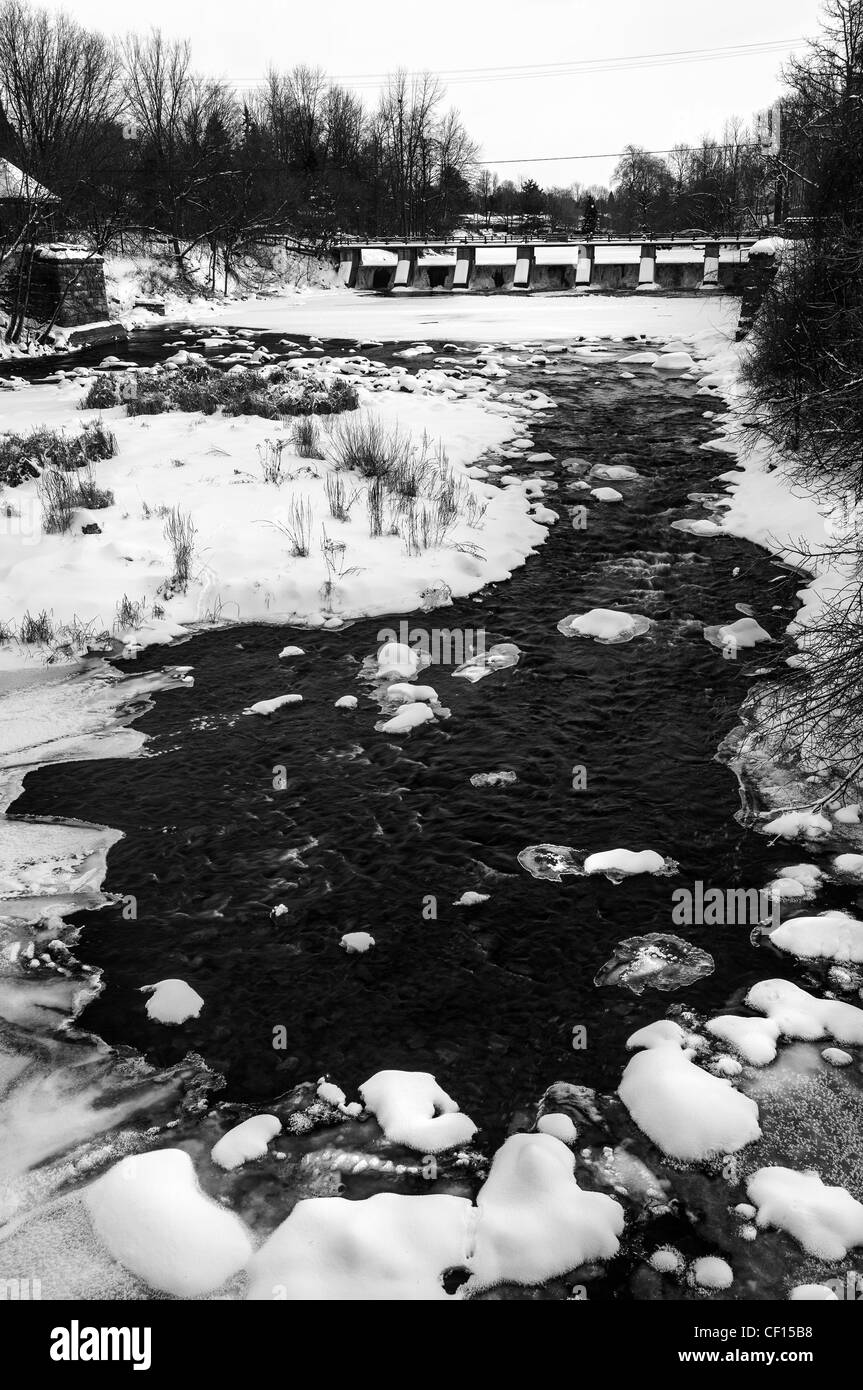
[172, 1001]
[150, 1213]
[266, 707]
[245, 1141]
[534, 1221]
[412, 1109]
[688, 1113]
[831, 935]
[605, 625]
[356, 943]
[826, 1221]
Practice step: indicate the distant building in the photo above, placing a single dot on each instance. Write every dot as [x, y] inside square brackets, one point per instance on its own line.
[24, 200]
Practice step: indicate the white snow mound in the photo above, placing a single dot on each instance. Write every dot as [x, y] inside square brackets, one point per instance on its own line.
[152, 1216]
[686, 1112]
[412, 1109]
[605, 625]
[534, 1221]
[246, 1140]
[385, 1248]
[826, 1221]
[172, 1001]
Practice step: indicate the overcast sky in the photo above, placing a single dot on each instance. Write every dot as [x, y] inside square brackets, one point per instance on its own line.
[515, 116]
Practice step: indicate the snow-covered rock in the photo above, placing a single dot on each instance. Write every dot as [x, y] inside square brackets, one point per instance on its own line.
[397, 657]
[826, 1221]
[710, 1272]
[385, 1248]
[266, 707]
[410, 716]
[560, 1126]
[357, 942]
[800, 1015]
[685, 1111]
[150, 1213]
[618, 864]
[534, 1221]
[412, 1109]
[754, 1038]
[249, 1139]
[811, 825]
[172, 1001]
[830, 935]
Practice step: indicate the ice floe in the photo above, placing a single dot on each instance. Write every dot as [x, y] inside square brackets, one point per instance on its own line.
[618, 864]
[493, 779]
[746, 632]
[172, 1001]
[499, 657]
[410, 716]
[266, 707]
[655, 961]
[357, 942]
[606, 625]
[550, 861]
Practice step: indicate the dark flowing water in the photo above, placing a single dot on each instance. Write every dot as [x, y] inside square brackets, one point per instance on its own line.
[371, 825]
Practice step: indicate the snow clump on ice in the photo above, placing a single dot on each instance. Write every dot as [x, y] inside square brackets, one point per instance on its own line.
[150, 1213]
[246, 1140]
[412, 1109]
[172, 1001]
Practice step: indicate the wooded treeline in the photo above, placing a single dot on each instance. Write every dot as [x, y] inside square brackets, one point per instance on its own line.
[805, 367]
[129, 136]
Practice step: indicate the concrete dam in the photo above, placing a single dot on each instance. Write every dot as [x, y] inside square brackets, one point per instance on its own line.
[673, 265]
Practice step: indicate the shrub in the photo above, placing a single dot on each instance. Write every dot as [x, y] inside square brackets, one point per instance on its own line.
[337, 496]
[102, 394]
[38, 629]
[88, 494]
[365, 446]
[26, 455]
[334, 553]
[96, 443]
[180, 532]
[58, 497]
[297, 527]
[305, 438]
[129, 614]
[251, 391]
[61, 491]
[375, 498]
[270, 455]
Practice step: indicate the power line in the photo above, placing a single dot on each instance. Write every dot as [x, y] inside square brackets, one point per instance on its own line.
[617, 154]
[567, 68]
[541, 68]
[576, 70]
